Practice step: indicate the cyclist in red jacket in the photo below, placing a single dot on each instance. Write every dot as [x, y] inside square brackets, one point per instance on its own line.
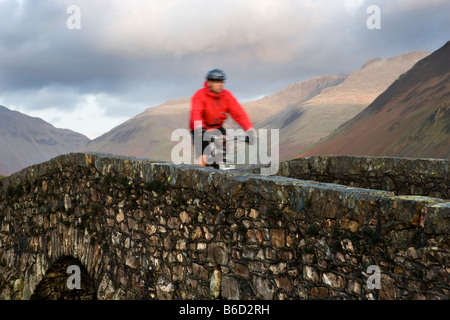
[209, 109]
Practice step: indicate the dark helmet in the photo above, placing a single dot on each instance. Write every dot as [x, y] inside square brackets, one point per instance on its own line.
[215, 75]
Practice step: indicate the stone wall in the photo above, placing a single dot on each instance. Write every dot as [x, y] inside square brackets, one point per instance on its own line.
[147, 230]
[403, 176]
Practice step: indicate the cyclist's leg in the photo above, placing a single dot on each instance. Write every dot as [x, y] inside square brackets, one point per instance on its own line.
[199, 156]
[223, 131]
[224, 146]
[213, 150]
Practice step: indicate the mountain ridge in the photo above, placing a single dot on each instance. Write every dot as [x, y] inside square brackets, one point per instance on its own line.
[26, 140]
[322, 114]
[304, 112]
[411, 118]
[148, 134]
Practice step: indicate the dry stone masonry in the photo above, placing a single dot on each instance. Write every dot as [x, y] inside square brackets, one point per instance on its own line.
[403, 176]
[151, 230]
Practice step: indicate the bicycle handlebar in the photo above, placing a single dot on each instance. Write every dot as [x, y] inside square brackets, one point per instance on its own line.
[237, 138]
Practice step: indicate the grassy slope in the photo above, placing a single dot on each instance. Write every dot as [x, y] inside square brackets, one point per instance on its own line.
[410, 119]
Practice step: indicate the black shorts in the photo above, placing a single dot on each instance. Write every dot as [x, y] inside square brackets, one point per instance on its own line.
[198, 152]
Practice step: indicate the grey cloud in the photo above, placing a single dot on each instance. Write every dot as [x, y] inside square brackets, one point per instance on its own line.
[136, 54]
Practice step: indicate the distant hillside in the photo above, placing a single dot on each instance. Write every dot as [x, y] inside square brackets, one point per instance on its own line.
[304, 112]
[410, 119]
[283, 101]
[148, 134]
[26, 140]
[309, 121]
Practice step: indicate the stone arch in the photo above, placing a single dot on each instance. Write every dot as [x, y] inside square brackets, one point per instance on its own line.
[64, 243]
[53, 285]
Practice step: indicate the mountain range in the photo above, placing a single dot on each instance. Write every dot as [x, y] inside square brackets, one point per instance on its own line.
[148, 134]
[26, 140]
[306, 122]
[410, 119]
[304, 112]
[398, 106]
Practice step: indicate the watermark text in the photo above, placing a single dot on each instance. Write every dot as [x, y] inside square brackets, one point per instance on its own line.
[74, 281]
[73, 22]
[374, 20]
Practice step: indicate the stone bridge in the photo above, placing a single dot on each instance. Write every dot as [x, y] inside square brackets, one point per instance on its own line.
[140, 229]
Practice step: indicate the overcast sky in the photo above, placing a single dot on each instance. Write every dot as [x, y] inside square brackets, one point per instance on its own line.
[93, 68]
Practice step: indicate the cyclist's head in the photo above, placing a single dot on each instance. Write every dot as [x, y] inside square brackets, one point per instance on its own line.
[215, 78]
[215, 75]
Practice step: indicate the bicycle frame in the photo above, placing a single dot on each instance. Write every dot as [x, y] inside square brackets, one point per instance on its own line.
[221, 153]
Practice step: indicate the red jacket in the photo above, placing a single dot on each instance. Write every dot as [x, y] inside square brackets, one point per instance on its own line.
[211, 108]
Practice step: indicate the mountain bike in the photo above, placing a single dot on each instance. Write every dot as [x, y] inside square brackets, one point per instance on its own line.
[218, 157]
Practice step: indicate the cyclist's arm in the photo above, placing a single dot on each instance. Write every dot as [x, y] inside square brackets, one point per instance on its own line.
[197, 112]
[238, 113]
